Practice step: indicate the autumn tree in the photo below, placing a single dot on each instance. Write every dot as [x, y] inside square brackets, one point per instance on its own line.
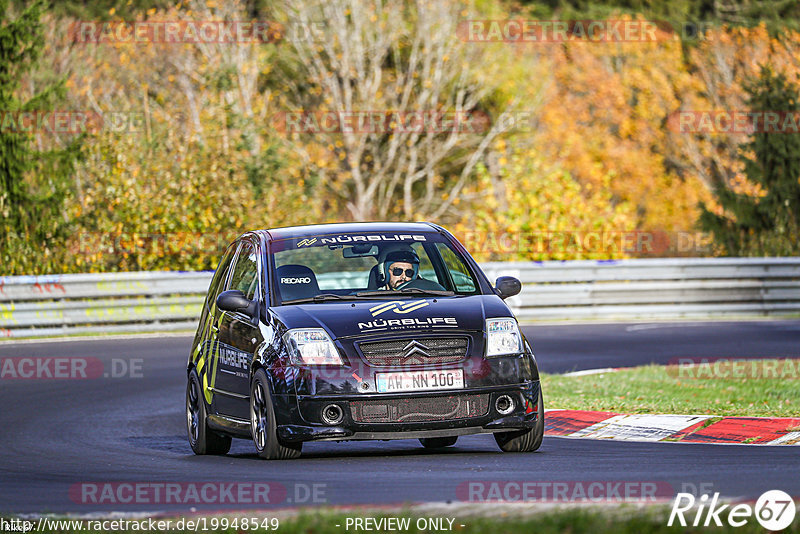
[767, 223]
[197, 161]
[33, 179]
[524, 208]
[721, 64]
[605, 114]
[402, 58]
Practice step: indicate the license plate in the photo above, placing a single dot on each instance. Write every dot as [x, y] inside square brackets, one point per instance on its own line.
[420, 380]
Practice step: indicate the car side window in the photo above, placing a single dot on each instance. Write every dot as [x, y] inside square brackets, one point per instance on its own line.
[425, 265]
[458, 271]
[245, 271]
[220, 275]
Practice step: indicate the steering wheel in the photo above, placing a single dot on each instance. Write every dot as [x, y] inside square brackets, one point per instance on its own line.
[422, 283]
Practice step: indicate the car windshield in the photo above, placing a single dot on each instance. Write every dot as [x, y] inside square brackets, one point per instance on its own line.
[334, 267]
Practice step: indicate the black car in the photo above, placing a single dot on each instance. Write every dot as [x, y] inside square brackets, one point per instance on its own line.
[358, 331]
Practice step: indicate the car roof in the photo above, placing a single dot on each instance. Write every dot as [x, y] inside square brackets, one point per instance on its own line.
[311, 230]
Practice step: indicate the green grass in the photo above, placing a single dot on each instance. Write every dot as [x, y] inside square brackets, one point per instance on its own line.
[662, 389]
[624, 519]
[617, 520]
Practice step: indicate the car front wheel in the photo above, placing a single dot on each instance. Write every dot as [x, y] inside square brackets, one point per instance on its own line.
[202, 439]
[262, 423]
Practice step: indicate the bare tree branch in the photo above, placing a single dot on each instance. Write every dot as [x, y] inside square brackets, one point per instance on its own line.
[398, 58]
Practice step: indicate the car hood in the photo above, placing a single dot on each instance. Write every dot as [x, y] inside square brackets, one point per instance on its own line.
[382, 316]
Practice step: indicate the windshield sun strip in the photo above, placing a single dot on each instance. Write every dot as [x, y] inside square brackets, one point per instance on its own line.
[431, 239]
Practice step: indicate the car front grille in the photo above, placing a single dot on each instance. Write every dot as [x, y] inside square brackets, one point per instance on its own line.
[419, 409]
[408, 351]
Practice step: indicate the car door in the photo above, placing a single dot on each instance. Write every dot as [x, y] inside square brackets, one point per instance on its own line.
[239, 336]
[207, 344]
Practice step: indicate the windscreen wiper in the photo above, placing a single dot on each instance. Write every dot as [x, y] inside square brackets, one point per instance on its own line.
[322, 297]
[404, 291]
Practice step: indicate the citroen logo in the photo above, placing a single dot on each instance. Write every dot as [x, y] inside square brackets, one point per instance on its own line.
[416, 351]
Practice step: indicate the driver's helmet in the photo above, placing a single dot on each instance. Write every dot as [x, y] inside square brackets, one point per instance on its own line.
[406, 256]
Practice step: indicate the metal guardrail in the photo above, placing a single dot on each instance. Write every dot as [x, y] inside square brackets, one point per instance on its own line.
[616, 289]
[670, 288]
[112, 302]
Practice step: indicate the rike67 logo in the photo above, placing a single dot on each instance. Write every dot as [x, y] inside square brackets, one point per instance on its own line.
[774, 510]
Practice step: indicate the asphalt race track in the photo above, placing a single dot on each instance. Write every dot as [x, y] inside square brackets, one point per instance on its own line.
[58, 434]
[565, 348]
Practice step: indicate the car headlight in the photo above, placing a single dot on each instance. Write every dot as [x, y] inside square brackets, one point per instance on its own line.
[311, 346]
[502, 337]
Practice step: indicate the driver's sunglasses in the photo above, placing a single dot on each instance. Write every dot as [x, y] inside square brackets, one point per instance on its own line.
[397, 271]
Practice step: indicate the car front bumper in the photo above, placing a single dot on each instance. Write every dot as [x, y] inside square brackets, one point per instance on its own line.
[300, 418]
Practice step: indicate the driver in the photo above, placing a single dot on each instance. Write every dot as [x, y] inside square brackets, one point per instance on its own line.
[400, 267]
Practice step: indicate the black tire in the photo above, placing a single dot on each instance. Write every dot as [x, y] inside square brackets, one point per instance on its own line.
[263, 427]
[527, 440]
[438, 443]
[202, 439]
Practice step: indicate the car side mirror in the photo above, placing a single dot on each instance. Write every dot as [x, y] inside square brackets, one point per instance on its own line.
[507, 286]
[234, 300]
